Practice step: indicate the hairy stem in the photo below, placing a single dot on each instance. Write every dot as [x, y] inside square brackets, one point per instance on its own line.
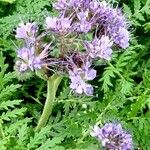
[52, 86]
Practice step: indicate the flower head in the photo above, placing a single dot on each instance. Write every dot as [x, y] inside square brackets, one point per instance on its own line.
[78, 84]
[94, 6]
[79, 77]
[100, 47]
[25, 53]
[29, 60]
[121, 38]
[84, 25]
[60, 5]
[113, 137]
[77, 21]
[27, 32]
[59, 25]
[114, 24]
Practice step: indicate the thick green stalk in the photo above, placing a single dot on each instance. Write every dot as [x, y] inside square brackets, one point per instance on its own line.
[52, 86]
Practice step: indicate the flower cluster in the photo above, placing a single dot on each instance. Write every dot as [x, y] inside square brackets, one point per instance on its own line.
[58, 25]
[100, 48]
[78, 77]
[67, 33]
[113, 137]
[114, 24]
[29, 59]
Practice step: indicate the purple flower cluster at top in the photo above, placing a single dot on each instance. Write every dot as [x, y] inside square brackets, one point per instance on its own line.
[113, 137]
[81, 17]
[88, 13]
[77, 20]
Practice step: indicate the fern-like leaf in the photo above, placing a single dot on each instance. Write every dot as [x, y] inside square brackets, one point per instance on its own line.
[9, 104]
[9, 90]
[13, 114]
[106, 78]
[38, 138]
[52, 144]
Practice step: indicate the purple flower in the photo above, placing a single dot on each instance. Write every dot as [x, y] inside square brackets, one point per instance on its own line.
[76, 18]
[25, 31]
[60, 5]
[100, 47]
[25, 53]
[114, 24]
[94, 6]
[37, 63]
[76, 3]
[30, 60]
[21, 66]
[29, 57]
[121, 38]
[79, 76]
[78, 84]
[59, 25]
[89, 74]
[113, 137]
[83, 25]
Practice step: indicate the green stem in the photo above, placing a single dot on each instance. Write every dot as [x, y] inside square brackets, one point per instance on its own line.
[52, 86]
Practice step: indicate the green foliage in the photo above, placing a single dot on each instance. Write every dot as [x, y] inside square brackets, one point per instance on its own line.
[120, 70]
[9, 104]
[52, 144]
[24, 11]
[9, 107]
[138, 11]
[122, 90]
[147, 27]
[8, 1]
